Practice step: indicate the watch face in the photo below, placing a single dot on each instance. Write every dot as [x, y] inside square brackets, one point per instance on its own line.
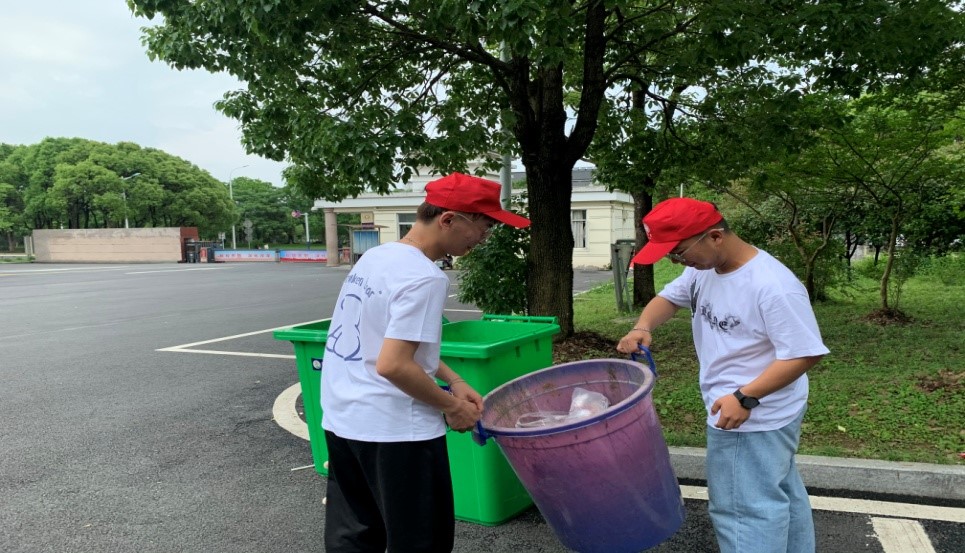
[746, 402]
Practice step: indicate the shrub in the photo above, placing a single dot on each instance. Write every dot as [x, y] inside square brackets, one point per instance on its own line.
[494, 272]
[947, 269]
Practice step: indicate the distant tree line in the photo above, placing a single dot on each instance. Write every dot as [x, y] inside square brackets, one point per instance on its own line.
[74, 183]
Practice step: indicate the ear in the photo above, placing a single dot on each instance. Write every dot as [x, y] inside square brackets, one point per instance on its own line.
[445, 219]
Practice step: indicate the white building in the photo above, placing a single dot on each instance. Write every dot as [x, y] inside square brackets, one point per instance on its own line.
[599, 217]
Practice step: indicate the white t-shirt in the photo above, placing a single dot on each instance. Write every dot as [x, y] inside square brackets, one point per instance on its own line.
[394, 291]
[742, 321]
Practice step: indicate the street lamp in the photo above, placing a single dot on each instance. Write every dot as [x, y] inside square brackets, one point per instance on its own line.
[124, 195]
[231, 194]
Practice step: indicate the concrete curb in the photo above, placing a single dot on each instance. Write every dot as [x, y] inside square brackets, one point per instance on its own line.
[946, 482]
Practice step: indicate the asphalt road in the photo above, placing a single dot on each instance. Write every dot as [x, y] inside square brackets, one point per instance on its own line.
[109, 445]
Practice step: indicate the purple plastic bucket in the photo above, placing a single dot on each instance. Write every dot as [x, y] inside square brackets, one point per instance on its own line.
[603, 483]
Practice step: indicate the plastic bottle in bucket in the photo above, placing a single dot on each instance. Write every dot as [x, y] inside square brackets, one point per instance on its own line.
[603, 483]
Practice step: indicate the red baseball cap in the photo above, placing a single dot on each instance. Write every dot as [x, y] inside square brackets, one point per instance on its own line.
[470, 194]
[671, 221]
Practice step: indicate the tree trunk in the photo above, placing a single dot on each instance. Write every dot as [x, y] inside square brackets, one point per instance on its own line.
[550, 260]
[540, 130]
[850, 247]
[536, 98]
[811, 261]
[890, 263]
[644, 284]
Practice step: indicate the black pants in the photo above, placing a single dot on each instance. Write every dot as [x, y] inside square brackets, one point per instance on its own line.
[388, 496]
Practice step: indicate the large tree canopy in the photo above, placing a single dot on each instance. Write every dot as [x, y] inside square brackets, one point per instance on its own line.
[78, 183]
[360, 94]
[270, 211]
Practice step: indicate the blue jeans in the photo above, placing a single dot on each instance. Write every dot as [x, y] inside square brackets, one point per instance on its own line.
[758, 503]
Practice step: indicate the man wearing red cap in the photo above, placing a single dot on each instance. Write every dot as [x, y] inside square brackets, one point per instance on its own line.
[389, 485]
[756, 337]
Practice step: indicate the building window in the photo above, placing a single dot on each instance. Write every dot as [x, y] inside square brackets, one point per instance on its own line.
[406, 220]
[578, 222]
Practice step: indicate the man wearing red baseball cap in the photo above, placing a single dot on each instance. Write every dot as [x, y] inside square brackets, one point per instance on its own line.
[671, 222]
[384, 416]
[469, 194]
[756, 337]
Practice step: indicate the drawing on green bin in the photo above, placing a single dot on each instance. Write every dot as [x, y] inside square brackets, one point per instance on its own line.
[343, 341]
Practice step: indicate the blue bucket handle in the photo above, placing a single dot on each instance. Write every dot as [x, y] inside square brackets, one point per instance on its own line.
[479, 434]
[634, 356]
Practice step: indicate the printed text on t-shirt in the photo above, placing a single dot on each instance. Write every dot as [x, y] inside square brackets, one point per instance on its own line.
[725, 324]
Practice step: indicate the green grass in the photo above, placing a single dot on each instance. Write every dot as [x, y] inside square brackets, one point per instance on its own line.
[15, 258]
[894, 392]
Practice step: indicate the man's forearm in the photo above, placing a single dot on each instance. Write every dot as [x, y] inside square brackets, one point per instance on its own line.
[658, 311]
[778, 375]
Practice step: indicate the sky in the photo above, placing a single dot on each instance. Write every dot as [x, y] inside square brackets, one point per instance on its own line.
[76, 68]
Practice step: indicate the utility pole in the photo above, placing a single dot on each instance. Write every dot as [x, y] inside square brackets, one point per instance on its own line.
[231, 194]
[506, 172]
[124, 195]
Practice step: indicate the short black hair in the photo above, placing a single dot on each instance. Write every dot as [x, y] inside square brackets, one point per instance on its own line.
[428, 212]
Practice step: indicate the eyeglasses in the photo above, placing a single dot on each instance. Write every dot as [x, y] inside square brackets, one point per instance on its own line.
[679, 257]
[486, 232]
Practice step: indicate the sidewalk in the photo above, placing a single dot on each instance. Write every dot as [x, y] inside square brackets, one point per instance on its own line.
[942, 482]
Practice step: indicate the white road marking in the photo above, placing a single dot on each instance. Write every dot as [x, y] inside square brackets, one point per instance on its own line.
[233, 353]
[898, 535]
[862, 506]
[178, 270]
[284, 413]
[694, 492]
[183, 348]
[109, 268]
[888, 509]
[49, 271]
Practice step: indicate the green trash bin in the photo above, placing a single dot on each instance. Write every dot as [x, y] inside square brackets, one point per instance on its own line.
[309, 342]
[486, 353]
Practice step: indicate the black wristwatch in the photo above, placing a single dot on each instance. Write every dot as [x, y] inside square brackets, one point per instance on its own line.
[747, 402]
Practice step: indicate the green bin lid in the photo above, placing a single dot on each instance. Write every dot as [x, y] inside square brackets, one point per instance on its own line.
[484, 339]
[471, 339]
[315, 331]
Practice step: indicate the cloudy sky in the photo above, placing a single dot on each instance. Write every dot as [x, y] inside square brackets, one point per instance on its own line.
[72, 68]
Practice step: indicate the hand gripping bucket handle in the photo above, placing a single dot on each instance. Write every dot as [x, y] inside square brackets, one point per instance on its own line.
[480, 434]
[649, 356]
